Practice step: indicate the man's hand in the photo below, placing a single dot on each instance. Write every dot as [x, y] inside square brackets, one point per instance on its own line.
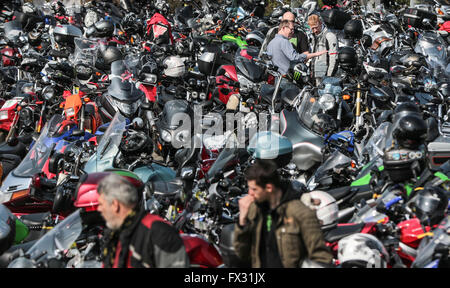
[321, 52]
[315, 54]
[244, 204]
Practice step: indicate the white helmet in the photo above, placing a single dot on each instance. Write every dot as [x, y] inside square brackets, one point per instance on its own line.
[325, 206]
[362, 251]
[174, 66]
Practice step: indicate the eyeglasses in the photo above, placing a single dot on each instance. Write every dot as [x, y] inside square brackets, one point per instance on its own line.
[289, 28]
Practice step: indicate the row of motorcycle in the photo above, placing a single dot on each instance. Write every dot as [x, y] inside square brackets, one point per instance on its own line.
[143, 90]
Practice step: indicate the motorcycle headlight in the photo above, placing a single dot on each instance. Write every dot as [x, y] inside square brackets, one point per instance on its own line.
[166, 136]
[48, 93]
[202, 96]
[70, 112]
[150, 78]
[127, 108]
[194, 95]
[327, 101]
[3, 115]
[182, 136]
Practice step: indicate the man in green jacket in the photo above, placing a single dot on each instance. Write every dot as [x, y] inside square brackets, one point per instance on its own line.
[275, 228]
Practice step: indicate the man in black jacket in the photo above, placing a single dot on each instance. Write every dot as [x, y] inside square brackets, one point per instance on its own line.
[136, 238]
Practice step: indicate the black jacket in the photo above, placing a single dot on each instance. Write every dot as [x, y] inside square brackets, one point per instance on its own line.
[144, 241]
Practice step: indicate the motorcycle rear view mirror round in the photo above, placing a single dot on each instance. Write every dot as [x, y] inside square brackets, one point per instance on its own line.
[146, 106]
[187, 173]
[138, 123]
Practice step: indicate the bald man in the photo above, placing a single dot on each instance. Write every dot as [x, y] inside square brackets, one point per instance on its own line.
[299, 39]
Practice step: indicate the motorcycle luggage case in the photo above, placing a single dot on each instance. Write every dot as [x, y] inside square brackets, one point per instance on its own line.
[414, 17]
[335, 19]
[269, 145]
[438, 152]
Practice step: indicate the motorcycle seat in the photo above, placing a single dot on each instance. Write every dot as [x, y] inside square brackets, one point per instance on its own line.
[34, 219]
[169, 189]
[339, 193]
[19, 149]
[342, 231]
[288, 95]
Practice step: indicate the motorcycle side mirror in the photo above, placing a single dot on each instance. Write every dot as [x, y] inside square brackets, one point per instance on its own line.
[187, 173]
[426, 22]
[13, 141]
[146, 106]
[138, 123]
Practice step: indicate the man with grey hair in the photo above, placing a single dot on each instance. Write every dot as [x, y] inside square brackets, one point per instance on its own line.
[135, 238]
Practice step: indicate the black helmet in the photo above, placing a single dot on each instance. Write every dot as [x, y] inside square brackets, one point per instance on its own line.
[353, 29]
[136, 142]
[348, 59]
[430, 205]
[104, 28]
[410, 131]
[110, 54]
[324, 124]
[406, 108]
[255, 38]
[131, 23]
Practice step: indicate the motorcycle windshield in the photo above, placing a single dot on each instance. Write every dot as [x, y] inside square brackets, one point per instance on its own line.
[434, 49]
[132, 64]
[377, 142]
[369, 212]
[427, 249]
[108, 147]
[37, 157]
[336, 160]
[228, 154]
[13, 29]
[118, 68]
[308, 109]
[61, 237]
[85, 51]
